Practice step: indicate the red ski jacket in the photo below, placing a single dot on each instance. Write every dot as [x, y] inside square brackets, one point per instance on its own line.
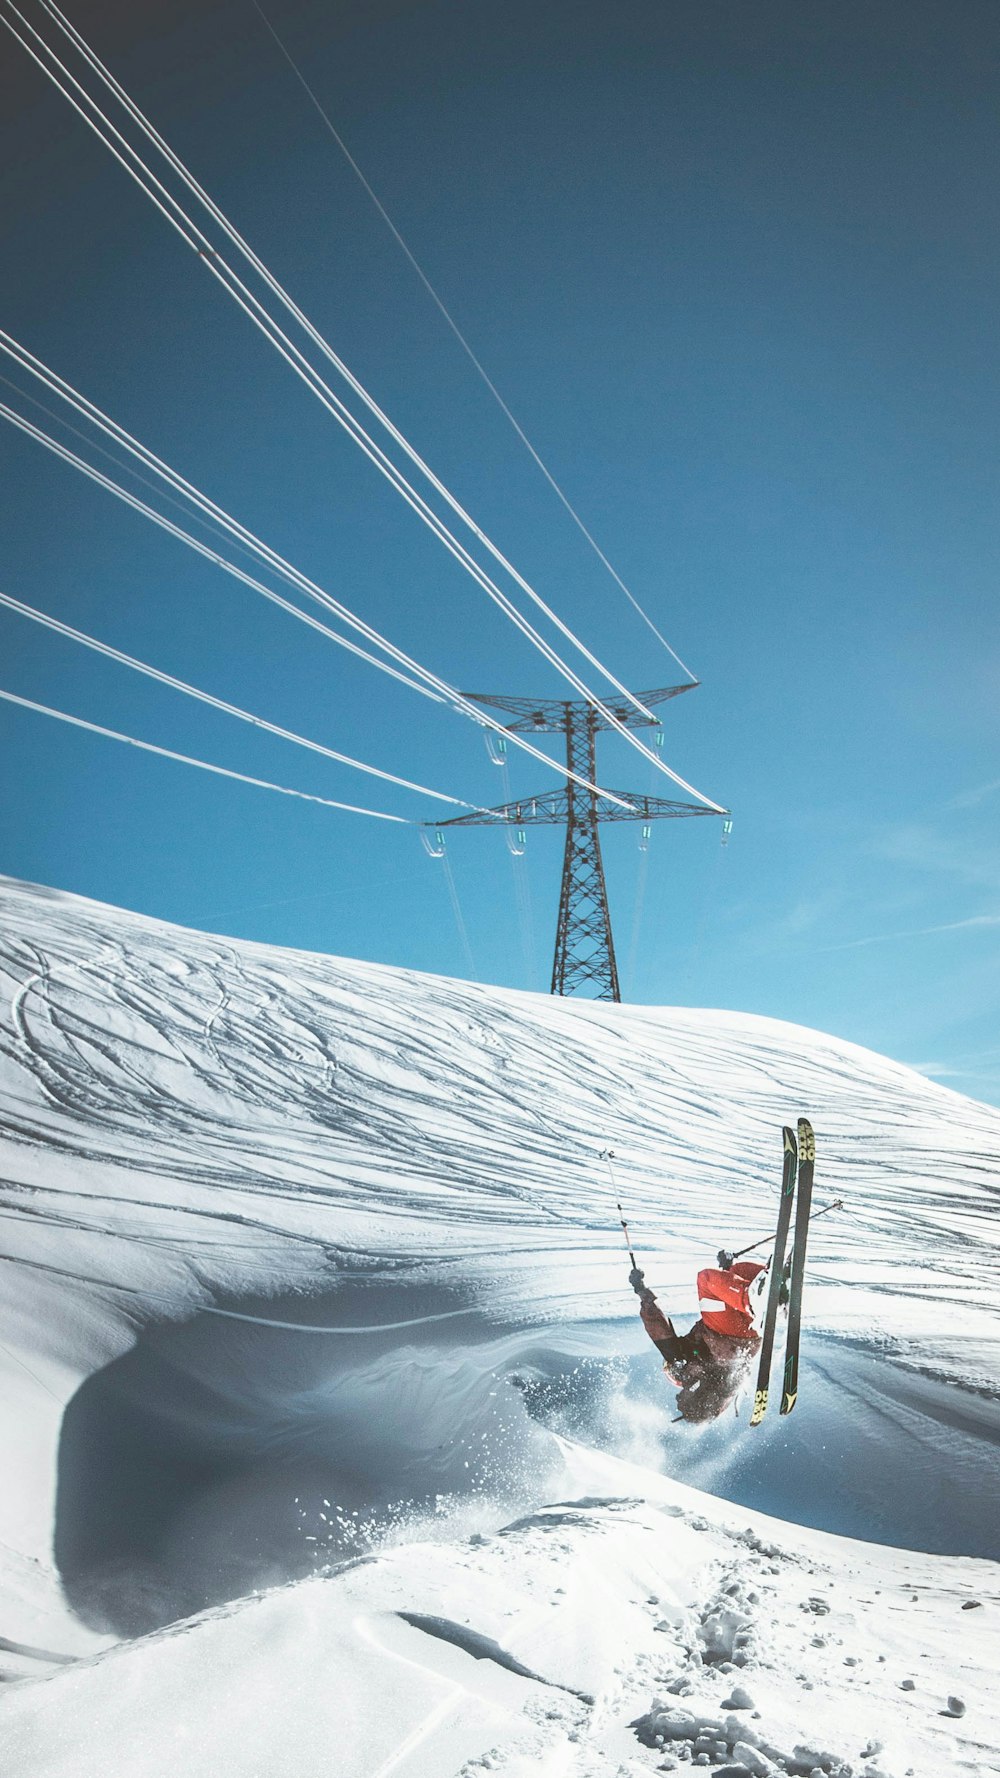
[724, 1298]
[724, 1337]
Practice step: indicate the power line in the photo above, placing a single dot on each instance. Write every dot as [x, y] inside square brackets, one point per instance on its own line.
[118, 463]
[460, 337]
[642, 879]
[193, 236]
[203, 549]
[251, 305]
[516, 850]
[271, 558]
[186, 759]
[456, 908]
[204, 697]
[173, 160]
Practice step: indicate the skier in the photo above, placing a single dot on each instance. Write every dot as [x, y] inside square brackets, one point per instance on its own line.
[708, 1364]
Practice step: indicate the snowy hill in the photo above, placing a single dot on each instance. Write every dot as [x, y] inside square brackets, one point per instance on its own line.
[311, 1263]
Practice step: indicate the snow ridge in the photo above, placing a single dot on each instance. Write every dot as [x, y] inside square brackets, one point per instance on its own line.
[271, 1216]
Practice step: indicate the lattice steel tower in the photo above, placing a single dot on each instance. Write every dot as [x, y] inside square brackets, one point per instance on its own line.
[585, 951]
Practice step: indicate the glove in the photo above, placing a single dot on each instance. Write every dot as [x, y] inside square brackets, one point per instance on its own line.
[637, 1280]
[724, 1260]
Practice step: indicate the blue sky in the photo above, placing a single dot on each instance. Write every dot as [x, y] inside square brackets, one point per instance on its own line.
[735, 271]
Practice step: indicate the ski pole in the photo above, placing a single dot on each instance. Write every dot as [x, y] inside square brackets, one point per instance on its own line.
[608, 1154]
[838, 1204]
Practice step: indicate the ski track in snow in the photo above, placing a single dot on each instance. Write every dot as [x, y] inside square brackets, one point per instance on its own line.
[252, 1075]
[193, 1123]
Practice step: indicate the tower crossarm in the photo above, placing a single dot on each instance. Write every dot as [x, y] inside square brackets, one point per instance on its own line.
[584, 950]
[647, 808]
[549, 810]
[552, 810]
[551, 715]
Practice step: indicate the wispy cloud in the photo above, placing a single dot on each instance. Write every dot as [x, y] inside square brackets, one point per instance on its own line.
[811, 911]
[969, 799]
[974, 922]
[915, 845]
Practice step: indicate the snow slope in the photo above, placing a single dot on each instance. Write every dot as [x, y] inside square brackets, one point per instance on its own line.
[618, 1634]
[305, 1259]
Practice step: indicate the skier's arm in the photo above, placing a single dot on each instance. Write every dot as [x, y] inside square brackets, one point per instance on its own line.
[657, 1325]
[671, 1346]
[681, 1358]
[653, 1319]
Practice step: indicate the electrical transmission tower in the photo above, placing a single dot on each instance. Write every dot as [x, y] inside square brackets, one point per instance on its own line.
[585, 951]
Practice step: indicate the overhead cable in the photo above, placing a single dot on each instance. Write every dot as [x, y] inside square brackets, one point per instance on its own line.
[179, 219]
[203, 549]
[456, 908]
[433, 685]
[100, 450]
[515, 851]
[96, 728]
[473, 358]
[169, 207]
[205, 697]
[183, 172]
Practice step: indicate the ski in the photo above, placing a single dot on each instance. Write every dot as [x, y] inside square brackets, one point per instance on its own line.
[807, 1157]
[788, 1176]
